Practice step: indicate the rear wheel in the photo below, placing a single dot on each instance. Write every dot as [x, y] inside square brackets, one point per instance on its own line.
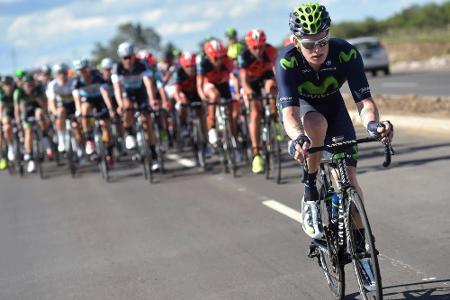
[231, 148]
[71, 155]
[361, 247]
[38, 153]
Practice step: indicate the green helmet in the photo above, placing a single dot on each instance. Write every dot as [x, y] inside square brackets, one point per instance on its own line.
[231, 32]
[20, 73]
[308, 19]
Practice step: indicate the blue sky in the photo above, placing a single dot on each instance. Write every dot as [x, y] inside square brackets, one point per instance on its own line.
[50, 31]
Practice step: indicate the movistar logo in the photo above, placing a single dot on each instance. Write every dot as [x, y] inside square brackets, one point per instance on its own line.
[292, 62]
[313, 89]
[347, 56]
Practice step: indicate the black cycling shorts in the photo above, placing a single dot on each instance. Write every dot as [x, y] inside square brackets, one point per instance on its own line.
[257, 84]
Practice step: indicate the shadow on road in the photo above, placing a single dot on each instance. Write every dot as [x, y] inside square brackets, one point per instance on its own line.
[436, 290]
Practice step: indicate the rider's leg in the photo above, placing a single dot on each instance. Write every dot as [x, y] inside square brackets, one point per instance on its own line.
[255, 125]
[270, 87]
[60, 124]
[128, 117]
[86, 121]
[183, 109]
[315, 126]
[213, 96]
[149, 133]
[235, 113]
[28, 140]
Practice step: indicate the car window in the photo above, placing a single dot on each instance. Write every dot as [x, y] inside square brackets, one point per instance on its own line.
[367, 45]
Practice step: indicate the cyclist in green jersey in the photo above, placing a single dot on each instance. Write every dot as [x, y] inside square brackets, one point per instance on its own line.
[7, 115]
[30, 101]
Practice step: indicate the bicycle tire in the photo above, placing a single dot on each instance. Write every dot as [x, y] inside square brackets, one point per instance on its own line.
[231, 148]
[267, 149]
[38, 152]
[144, 153]
[354, 202]
[101, 154]
[275, 157]
[70, 154]
[329, 261]
[19, 154]
[198, 145]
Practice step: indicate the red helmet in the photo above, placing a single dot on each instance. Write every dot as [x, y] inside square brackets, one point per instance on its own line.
[147, 56]
[214, 49]
[255, 38]
[288, 40]
[187, 59]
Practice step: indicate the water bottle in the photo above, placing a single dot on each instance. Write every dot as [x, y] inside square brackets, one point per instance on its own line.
[335, 202]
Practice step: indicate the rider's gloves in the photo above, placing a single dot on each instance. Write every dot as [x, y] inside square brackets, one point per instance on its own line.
[300, 140]
[372, 127]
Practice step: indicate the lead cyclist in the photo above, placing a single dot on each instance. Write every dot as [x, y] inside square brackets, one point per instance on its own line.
[309, 74]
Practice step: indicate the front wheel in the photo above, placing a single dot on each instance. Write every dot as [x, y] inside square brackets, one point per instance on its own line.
[361, 247]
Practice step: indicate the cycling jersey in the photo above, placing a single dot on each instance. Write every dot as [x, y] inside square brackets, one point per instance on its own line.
[29, 101]
[301, 86]
[212, 74]
[188, 85]
[7, 102]
[256, 68]
[90, 92]
[234, 50]
[131, 81]
[61, 93]
[296, 79]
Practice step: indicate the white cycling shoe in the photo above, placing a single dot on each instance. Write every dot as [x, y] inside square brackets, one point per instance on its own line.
[212, 136]
[311, 221]
[130, 142]
[31, 168]
[155, 166]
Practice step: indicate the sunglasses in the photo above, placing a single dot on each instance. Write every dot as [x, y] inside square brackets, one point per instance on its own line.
[126, 57]
[257, 47]
[310, 45]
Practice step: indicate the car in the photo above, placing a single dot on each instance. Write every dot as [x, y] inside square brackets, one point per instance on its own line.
[374, 55]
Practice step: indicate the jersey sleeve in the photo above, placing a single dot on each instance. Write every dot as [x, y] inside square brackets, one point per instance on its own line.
[242, 61]
[287, 88]
[199, 64]
[17, 95]
[356, 76]
[272, 54]
[115, 73]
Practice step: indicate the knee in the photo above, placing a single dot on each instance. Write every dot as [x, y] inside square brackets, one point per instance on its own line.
[314, 124]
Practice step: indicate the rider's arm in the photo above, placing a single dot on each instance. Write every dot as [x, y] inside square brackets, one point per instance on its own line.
[116, 85]
[51, 99]
[106, 98]
[243, 77]
[17, 95]
[235, 81]
[77, 98]
[368, 111]
[200, 82]
[150, 88]
[177, 94]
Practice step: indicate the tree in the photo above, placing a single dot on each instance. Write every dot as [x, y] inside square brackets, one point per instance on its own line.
[140, 37]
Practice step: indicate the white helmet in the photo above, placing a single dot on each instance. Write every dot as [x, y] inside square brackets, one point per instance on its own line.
[106, 63]
[125, 49]
[80, 64]
[59, 68]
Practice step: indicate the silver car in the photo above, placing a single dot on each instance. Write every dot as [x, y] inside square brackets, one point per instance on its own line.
[375, 56]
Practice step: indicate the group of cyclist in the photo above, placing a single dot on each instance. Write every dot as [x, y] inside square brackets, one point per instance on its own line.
[241, 71]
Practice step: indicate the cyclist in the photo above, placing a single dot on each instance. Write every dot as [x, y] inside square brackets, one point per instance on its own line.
[61, 104]
[30, 101]
[309, 74]
[86, 92]
[20, 75]
[8, 86]
[256, 65]
[213, 72]
[106, 66]
[128, 78]
[186, 88]
[235, 47]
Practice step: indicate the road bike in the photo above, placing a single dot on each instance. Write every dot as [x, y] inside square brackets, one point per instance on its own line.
[347, 233]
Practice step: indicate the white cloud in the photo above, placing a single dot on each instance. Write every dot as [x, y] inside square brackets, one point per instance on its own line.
[151, 15]
[183, 28]
[37, 28]
[10, 1]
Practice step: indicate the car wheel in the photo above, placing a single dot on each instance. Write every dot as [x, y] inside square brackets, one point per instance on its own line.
[386, 71]
[374, 73]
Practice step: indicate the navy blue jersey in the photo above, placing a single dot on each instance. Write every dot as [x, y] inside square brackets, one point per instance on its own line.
[187, 84]
[130, 80]
[297, 80]
[89, 91]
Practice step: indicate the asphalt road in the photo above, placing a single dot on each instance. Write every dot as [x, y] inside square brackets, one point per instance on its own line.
[434, 83]
[209, 236]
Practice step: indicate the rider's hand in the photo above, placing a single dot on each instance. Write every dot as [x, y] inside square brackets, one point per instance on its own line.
[167, 105]
[298, 147]
[384, 130]
[77, 113]
[112, 113]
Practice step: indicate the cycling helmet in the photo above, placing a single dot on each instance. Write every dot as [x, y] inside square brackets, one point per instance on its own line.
[7, 79]
[106, 63]
[28, 78]
[20, 73]
[125, 49]
[255, 38]
[214, 49]
[80, 64]
[59, 68]
[176, 52]
[187, 59]
[308, 19]
[46, 69]
[148, 57]
[231, 33]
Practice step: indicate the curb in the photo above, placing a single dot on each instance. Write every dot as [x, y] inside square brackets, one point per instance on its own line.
[419, 125]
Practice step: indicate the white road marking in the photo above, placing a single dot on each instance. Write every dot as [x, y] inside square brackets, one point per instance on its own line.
[399, 84]
[283, 209]
[182, 161]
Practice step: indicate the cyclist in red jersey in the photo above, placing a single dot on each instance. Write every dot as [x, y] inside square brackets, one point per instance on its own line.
[213, 73]
[256, 72]
[186, 87]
